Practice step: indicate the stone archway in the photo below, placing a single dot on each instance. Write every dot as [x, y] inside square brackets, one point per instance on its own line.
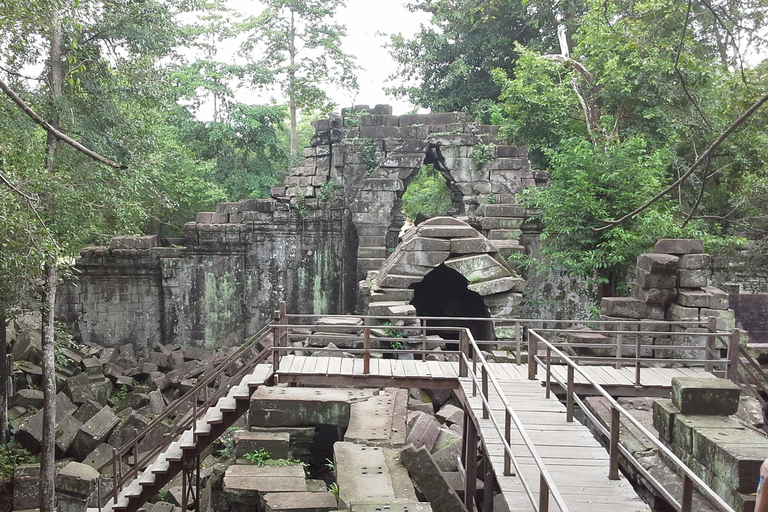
[448, 246]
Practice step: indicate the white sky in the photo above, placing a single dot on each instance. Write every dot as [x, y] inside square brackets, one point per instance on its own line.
[366, 22]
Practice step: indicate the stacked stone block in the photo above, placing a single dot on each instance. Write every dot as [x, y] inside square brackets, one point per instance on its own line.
[672, 284]
[698, 426]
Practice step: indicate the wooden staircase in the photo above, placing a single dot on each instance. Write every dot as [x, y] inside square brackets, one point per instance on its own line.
[183, 451]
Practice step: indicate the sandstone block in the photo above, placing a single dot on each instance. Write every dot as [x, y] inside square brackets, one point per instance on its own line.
[276, 443]
[501, 285]
[664, 417]
[682, 313]
[481, 267]
[725, 319]
[692, 278]
[658, 263]
[719, 298]
[654, 280]
[423, 431]
[245, 484]
[26, 487]
[347, 324]
[471, 245]
[437, 231]
[66, 430]
[654, 295]
[679, 246]
[705, 396]
[95, 431]
[501, 223]
[695, 261]
[626, 307]
[425, 472]
[76, 480]
[27, 398]
[694, 298]
[299, 502]
[212, 218]
[420, 243]
[450, 414]
[302, 407]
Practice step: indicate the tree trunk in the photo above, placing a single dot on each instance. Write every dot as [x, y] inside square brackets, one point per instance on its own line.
[55, 84]
[3, 381]
[48, 452]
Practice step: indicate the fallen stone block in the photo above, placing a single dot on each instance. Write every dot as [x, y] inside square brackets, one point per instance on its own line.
[27, 398]
[302, 407]
[423, 431]
[66, 430]
[654, 295]
[701, 261]
[648, 279]
[245, 483]
[370, 475]
[627, 307]
[724, 319]
[276, 443]
[426, 474]
[692, 278]
[86, 411]
[705, 396]
[719, 298]
[96, 430]
[350, 325]
[664, 417]
[74, 485]
[679, 246]
[127, 429]
[28, 347]
[299, 502]
[26, 487]
[744, 453]
[450, 414]
[694, 298]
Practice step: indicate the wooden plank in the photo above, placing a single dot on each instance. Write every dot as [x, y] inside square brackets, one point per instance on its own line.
[309, 365]
[397, 368]
[374, 366]
[422, 369]
[410, 368]
[434, 369]
[322, 365]
[357, 365]
[385, 367]
[285, 362]
[297, 364]
[450, 369]
[334, 366]
[347, 366]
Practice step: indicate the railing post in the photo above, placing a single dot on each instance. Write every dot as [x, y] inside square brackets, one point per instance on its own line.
[474, 372]
[486, 408]
[518, 342]
[619, 349]
[532, 350]
[637, 359]
[507, 435]
[543, 494]
[709, 354]
[470, 486]
[547, 382]
[115, 480]
[733, 356]
[488, 481]
[687, 501]
[464, 348]
[569, 397]
[275, 346]
[367, 349]
[424, 339]
[613, 470]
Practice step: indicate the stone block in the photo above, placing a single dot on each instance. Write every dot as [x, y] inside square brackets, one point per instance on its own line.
[694, 298]
[66, 430]
[475, 269]
[627, 307]
[276, 443]
[93, 432]
[705, 396]
[502, 210]
[654, 280]
[442, 231]
[450, 415]
[86, 411]
[27, 347]
[692, 278]
[501, 285]
[677, 312]
[346, 324]
[27, 398]
[501, 223]
[212, 218]
[664, 417]
[504, 234]
[26, 487]
[695, 261]
[471, 245]
[299, 502]
[658, 263]
[719, 298]
[245, 484]
[74, 484]
[423, 431]
[725, 319]
[654, 295]
[302, 407]
[744, 445]
[427, 475]
[679, 246]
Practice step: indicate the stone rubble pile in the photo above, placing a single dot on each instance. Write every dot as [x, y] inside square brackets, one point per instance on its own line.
[673, 284]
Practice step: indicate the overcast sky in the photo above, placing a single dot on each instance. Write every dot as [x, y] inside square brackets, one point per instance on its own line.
[366, 22]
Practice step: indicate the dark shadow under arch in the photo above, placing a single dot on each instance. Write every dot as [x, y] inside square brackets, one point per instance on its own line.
[444, 292]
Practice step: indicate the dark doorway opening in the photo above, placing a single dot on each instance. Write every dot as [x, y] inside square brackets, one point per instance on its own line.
[444, 292]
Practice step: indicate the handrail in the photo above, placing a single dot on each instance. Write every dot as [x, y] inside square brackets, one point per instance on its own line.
[689, 479]
[115, 461]
[546, 482]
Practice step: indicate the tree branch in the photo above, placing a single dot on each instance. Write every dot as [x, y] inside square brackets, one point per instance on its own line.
[56, 133]
[13, 188]
[704, 156]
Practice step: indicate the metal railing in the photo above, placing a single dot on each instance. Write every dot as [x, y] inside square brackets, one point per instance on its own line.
[690, 479]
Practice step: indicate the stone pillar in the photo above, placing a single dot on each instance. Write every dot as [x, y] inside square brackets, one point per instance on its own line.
[74, 485]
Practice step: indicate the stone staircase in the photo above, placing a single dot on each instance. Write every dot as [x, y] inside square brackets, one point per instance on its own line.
[190, 443]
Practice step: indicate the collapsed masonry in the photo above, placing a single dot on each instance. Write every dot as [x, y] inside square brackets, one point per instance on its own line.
[334, 219]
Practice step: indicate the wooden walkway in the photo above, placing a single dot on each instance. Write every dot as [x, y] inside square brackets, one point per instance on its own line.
[577, 462]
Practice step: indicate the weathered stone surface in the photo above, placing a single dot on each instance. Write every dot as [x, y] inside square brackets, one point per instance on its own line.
[471, 245]
[66, 430]
[695, 261]
[694, 298]
[127, 427]
[447, 450]
[423, 431]
[743, 444]
[27, 347]
[212, 218]
[692, 278]
[421, 243]
[481, 267]
[719, 299]
[76, 480]
[450, 414]
[501, 285]
[86, 411]
[302, 407]
[677, 312]
[725, 320]
[425, 472]
[96, 430]
[299, 501]
[654, 295]
[626, 307]
[276, 443]
[27, 398]
[704, 396]
[664, 417]
[439, 231]
[679, 246]
[647, 279]
[245, 484]
[379, 421]
[26, 487]
[348, 324]
[658, 263]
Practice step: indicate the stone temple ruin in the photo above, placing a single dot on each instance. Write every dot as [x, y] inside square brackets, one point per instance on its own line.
[335, 222]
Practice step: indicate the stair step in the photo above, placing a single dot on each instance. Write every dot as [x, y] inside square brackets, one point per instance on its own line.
[132, 491]
[227, 404]
[241, 392]
[187, 440]
[161, 465]
[202, 428]
[214, 416]
[148, 477]
[173, 453]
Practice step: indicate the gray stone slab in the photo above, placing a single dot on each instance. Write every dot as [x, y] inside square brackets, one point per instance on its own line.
[696, 298]
[423, 431]
[299, 502]
[695, 261]
[276, 443]
[501, 285]
[679, 246]
[658, 263]
[692, 278]
[302, 407]
[245, 484]
[626, 307]
[426, 474]
[705, 396]
[654, 280]
[654, 295]
[477, 268]
[719, 298]
[362, 475]
[95, 431]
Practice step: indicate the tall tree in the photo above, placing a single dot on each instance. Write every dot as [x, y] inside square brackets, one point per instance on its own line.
[296, 45]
